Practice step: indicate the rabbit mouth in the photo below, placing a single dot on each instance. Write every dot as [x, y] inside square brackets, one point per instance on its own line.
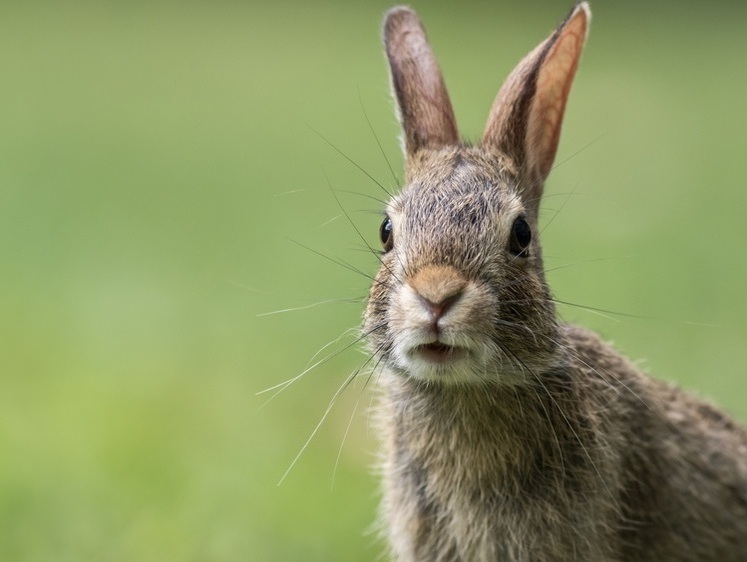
[440, 353]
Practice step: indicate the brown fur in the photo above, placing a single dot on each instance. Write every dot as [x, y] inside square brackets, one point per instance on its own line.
[526, 440]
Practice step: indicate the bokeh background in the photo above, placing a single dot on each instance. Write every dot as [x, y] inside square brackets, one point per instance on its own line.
[170, 172]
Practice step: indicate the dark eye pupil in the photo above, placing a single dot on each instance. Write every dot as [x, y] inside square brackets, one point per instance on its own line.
[385, 233]
[521, 236]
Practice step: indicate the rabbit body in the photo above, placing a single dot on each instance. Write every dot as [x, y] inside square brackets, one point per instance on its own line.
[507, 435]
[582, 467]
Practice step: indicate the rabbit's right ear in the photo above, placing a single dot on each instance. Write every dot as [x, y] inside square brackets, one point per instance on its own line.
[424, 106]
[527, 114]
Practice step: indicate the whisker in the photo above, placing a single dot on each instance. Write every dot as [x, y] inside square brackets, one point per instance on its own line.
[280, 387]
[312, 305]
[578, 151]
[376, 138]
[523, 367]
[312, 365]
[291, 192]
[562, 206]
[366, 195]
[372, 372]
[580, 262]
[363, 239]
[342, 443]
[330, 221]
[331, 404]
[352, 415]
[316, 429]
[353, 162]
[574, 353]
[602, 312]
[560, 163]
[336, 261]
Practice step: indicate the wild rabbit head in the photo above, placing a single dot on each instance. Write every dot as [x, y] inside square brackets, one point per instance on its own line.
[461, 294]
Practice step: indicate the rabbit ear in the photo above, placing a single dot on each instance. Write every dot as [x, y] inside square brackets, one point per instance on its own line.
[527, 114]
[424, 107]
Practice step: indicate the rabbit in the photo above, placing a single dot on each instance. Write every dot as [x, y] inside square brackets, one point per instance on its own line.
[508, 435]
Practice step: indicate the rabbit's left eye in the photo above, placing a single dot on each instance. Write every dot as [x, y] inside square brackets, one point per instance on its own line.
[386, 235]
[521, 237]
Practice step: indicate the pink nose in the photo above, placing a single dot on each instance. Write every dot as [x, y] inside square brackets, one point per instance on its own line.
[438, 309]
[438, 287]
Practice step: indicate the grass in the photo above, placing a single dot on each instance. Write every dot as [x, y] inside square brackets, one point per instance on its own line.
[159, 160]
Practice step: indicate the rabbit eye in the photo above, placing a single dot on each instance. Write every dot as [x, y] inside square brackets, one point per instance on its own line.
[385, 234]
[521, 236]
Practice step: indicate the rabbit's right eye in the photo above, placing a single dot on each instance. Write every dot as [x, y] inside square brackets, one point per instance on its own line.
[521, 237]
[385, 234]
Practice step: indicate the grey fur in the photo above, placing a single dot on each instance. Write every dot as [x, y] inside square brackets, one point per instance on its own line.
[534, 441]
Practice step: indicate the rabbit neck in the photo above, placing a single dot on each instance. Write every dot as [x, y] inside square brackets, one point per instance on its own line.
[465, 465]
[481, 428]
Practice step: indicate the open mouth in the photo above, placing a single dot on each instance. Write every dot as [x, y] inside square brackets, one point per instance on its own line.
[439, 352]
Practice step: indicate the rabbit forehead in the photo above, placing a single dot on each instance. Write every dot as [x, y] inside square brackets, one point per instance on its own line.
[454, 212]
[460, 186]
[436, 166]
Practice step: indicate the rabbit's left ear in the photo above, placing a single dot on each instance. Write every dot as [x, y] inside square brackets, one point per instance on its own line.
[527, 114]
[424, 106]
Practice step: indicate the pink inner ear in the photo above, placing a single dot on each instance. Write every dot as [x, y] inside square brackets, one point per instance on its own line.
[553, 85]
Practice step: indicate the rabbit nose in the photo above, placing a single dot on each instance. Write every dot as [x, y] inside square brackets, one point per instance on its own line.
[438, 288]
[438, 309]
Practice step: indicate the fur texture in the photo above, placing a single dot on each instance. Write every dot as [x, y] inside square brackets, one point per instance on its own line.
[507, 435]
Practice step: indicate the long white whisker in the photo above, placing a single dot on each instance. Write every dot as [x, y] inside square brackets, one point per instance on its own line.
[344, 438]
[285, 384]
[347, 381]
[330, 221]
[308, 306]
[319, 425]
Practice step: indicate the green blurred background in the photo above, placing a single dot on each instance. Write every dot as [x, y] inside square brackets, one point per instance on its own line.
[159, 166]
